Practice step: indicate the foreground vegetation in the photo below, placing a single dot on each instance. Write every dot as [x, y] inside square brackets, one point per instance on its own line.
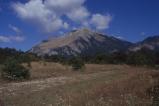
[133, 90]
[13, 70]
[79, 81]
[11, 62]
[53, 84]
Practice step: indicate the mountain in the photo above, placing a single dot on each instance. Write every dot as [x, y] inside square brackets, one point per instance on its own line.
[150, 43]
[80, 42]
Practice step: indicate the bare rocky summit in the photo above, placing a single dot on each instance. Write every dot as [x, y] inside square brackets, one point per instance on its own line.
[80, 42]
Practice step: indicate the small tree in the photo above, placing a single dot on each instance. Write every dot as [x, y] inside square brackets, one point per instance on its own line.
[13, 70]
[77, 63]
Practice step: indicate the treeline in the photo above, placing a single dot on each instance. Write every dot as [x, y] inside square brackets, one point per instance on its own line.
[139, 58]
[20, 56]
[143, 57]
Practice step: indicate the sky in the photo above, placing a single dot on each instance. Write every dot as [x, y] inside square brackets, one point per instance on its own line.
[25, 23]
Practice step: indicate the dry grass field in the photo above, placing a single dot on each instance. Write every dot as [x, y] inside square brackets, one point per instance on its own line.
[53, 84]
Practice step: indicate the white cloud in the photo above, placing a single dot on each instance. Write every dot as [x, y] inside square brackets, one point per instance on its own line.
[78, 14]
[15, 29]
[32, 9]
[35, 11]
[52, 25]
[101, 21]
[17, 38]
[12, 38]
[63, 6]
[7, 39]
[48, 14]
[4, 39]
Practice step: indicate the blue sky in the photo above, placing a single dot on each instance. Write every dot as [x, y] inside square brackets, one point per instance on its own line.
[24, 23]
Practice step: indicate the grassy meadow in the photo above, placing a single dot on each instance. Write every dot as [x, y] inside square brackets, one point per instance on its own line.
[53, 84]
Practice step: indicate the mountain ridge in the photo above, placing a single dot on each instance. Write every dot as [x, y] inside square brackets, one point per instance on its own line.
[87, 42]
[80, 42]
[150, 43]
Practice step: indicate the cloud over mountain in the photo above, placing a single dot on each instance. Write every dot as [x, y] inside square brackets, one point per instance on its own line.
[101, 21]
[49, 14]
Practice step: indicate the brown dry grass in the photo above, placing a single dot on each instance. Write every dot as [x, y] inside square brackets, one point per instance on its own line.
[40, 70]
[53, 84]
[131, 90]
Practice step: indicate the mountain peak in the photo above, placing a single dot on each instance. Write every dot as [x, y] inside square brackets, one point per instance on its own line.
[81, 32]
[80, 42]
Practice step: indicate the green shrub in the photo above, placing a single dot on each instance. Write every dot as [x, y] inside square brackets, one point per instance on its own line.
[13, 70]
[77, 64]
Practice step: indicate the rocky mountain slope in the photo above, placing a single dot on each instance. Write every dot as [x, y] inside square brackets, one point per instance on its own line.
[83, 42]
[151, 43]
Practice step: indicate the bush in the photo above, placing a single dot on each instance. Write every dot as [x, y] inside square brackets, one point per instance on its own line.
[12, 70]
[77, 63]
